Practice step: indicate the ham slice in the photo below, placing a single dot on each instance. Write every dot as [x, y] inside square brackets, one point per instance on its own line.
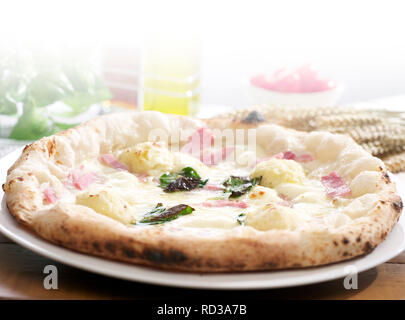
[82, 180]
[304, 157]
[213, 187]
[202, 138]
[335, 186]
[199, 143]
[214, 157]
[50, 196]
[111, 161]
[224, 203]
[289, 155]
[143, 177]
[285, 202]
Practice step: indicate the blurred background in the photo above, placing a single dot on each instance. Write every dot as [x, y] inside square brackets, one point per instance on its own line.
[62, 62]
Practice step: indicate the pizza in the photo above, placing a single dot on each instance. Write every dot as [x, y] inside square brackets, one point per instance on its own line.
[180, 193]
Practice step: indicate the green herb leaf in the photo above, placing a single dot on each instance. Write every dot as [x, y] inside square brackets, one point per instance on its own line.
[159, 214]
[189, 172]
[241, 219]
[185, 180]
[237, 186]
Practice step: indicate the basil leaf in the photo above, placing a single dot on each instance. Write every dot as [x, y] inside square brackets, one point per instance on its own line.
[183, 184]
[189, 172]
[185, 180]
[159, 214]
[237, 186]
[166, 178]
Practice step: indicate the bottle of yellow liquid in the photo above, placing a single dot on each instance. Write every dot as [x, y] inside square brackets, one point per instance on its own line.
[171, 75]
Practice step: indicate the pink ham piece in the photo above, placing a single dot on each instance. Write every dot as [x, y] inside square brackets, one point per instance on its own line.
[199, 140]
[285, 202]
[203, 136]
[305, 157]
[225, 203]
[335, 186]
[143, 177]
[289, 155]
[50, 195]
[211, 158]
[111, 161]
[213, 187]
[82, 180]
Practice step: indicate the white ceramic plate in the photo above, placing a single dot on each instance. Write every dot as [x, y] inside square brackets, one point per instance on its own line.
[391, 247]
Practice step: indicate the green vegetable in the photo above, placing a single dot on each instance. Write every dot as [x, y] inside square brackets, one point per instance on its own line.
[36, 79]
[33, 123]
[237, 186]
[160, 214]
[186, 179]
[241, 219]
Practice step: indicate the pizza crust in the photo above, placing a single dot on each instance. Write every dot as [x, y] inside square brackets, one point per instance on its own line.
[206, 250]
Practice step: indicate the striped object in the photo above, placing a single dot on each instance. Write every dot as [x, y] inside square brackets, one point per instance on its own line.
[382, 133]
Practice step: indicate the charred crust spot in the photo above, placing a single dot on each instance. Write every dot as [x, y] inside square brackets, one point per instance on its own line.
[129, 252]
[20, 179]
[110, 246]
[382, 201]
[358, 239]
[345, 241]
[162, 257]
[335, 243]
[96, 246]
[367, 247]
[253, 117]
[64, 229]
[386, 177]
[271, 265]
[345, 254]
[51, 146]
[398, 205]
[27, 146]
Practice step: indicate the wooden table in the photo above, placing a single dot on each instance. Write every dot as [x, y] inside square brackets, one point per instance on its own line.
[21, 277]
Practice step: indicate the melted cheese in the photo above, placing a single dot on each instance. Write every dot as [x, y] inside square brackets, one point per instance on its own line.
[276, 171]
[286, 198]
